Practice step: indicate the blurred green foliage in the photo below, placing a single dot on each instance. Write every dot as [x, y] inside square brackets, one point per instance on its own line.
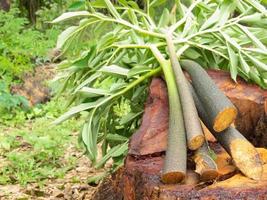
[35, 151]
[22, 47]
[31, 149]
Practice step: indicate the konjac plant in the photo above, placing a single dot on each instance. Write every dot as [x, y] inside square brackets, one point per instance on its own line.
[126, 46]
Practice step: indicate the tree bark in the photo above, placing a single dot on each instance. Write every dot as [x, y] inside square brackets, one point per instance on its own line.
[5, 5]
[139, 179]
[31, 6]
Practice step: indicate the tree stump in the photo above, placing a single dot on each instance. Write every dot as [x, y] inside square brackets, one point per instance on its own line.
[139, 179]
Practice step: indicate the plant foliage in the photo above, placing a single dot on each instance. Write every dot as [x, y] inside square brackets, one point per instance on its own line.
[22, 46]
[127, 46]
[36, 151]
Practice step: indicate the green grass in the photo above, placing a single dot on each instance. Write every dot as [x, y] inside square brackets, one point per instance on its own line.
[36, 150]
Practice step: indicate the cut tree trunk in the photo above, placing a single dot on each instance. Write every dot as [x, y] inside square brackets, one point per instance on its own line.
[140, 177]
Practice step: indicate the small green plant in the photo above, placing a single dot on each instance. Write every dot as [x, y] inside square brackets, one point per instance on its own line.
[20, 47]
[35, 151]
[11, 104]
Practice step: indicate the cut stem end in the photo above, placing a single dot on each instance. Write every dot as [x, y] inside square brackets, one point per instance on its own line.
[246, 158]
[208, 175]
[224, 119]
[196, 142]
[172, 177]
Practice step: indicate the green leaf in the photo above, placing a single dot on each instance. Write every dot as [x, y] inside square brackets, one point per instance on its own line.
[138, 70]
[240, 6]
[211, 20]
[255, 40]
[123, 2]
[133, 17]
[221, 14]
[121, 150]
[243, 63]
[106, 41]
[69, 15]
[117, 86]
[98, 4]
[264, 75]
[137, 39]
[96, 178]
[256, 50]
[113, 152]
[233, 62]
[226, 10]
[230, 40]
[192, 54]
[94, 92]
[156, 3]
[254, 75]
[77, 109]
[77, 5]
[115, 70]
[164, 19]
[260, 65]
[133, 4]
[137, 93]
[256, 17]
[189, 27]
[112, 9]
[116, 138]
[129, 117]
[87, 140]
[257, 6]
[65, 35]
[87, 81]
[180, 8]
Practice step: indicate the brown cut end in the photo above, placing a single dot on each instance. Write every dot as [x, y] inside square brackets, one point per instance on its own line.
[246, 158]
[172, 177]
[196, 142]
[208, 175]
[206, 167]
[224, 119]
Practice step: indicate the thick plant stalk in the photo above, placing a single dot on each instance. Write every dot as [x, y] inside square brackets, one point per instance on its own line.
[194, 133]
[174, 169]
[219, 108]
[244, 154]
[205, 165]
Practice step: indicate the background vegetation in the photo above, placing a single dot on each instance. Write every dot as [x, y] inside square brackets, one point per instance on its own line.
[31, 149]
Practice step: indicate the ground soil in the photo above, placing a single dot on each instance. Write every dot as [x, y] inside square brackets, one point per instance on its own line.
[73, 186]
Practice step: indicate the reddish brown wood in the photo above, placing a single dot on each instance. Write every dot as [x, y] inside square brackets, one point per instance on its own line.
[154, 123]
[140, 177]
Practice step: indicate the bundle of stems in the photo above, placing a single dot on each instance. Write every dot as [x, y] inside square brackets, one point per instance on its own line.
[126, 46]
[244, 154]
